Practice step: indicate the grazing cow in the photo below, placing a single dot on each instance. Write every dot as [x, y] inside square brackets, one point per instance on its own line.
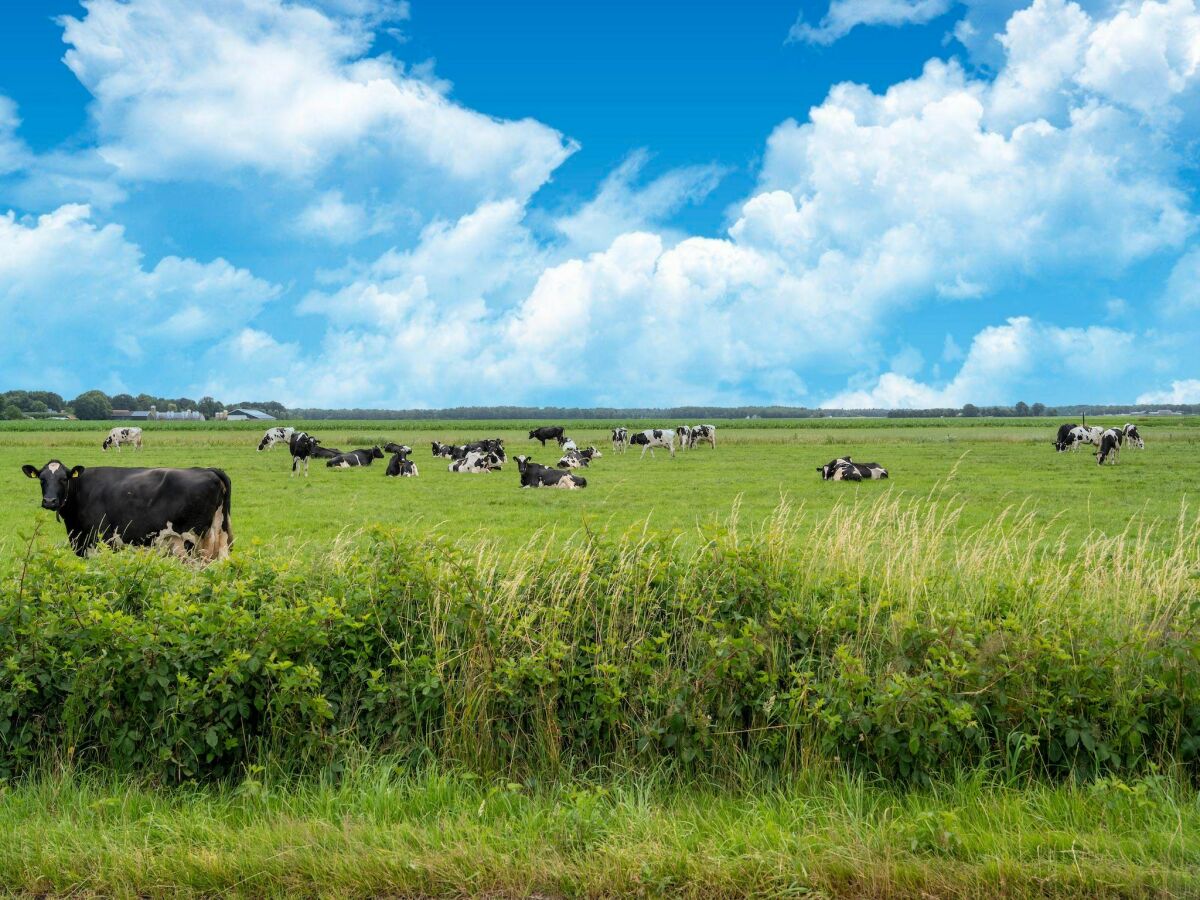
[1089, 434]
[400, 465]
[119, 436]
[477, 462]
[355, 458]
[184, 511]
[704, 433]
[1129, 435]
[303, 446]
[654, 437]
[684, 434]
[534, 475]
[1110, 447]
[620, 439]
[278, 435]
[844, 469]
[546, 433]
[1065, 440]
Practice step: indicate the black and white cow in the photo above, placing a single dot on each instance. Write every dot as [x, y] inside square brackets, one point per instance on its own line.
[477, 462]
[683, 436]
[534, 475]
[653, 437]
[278, 435]
[1066, 437]
[400, 466]
[448, 451]
[547, 433]
[1130, 435]
[119, 436]
[845, 469]
[620, 439]
[184, 511]
[488, 445]
[705, 433]
[303, 446]
[1110, 447]
[575, 459]
[325, 452]
[568, 445]
[355, 458]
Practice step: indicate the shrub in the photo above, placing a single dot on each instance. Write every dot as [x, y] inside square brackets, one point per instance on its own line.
[881, 640]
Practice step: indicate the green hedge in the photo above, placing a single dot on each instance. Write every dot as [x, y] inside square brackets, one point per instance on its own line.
[596, 651]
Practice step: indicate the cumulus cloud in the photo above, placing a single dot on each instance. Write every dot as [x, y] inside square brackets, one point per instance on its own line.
[1004, 361]
[284, 89]
[118, 315]
[1185, 391]
[622, 205]
[843, 16]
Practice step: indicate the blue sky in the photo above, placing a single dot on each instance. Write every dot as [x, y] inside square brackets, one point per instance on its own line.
[379, 203]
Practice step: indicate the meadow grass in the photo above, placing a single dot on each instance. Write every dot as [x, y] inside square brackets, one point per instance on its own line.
[989, 465]
[380, 829]
[699, 677]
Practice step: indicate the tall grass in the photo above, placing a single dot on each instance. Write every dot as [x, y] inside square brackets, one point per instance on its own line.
[881, 638]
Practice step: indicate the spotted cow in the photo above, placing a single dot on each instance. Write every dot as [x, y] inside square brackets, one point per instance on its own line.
[278, 435]
[355, 458]
[400, 466]
[653, 437]
[534, 475]
[119, 436]
[620, 439]
[477, 462]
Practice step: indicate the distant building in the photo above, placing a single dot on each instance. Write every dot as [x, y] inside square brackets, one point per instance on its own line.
[242, 414]
[140, 415]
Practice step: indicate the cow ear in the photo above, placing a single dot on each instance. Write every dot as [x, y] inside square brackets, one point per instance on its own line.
[30, 471]
[76, 471]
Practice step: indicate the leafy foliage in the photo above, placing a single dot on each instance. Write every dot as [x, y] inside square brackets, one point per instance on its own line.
[601, 651]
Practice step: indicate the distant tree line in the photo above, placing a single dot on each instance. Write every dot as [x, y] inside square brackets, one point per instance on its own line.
[98, 405]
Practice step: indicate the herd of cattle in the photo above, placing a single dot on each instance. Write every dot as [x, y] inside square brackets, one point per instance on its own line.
[1107, 441]
[186, 511]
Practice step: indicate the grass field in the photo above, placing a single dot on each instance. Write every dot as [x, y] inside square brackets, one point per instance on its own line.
[978, 678]
[986, 466]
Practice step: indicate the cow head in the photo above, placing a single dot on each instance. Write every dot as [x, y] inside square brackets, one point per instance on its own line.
[108, 442]
[533, 435]
[830, 468]
[376, 453]
[56, 482]
[1131, 435]
[523, 463]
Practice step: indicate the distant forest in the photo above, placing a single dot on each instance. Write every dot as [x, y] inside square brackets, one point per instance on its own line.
[19, 404]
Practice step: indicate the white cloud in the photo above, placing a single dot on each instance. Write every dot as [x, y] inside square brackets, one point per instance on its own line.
[1185, 391]
[119, 313]
[622, 206]
[330, 218]
[212, 89]
[845, 15]
[1006, 360]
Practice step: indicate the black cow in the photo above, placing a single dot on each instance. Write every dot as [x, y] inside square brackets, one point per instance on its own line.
[534, 475]
[355, 458]
[185, 511]
[400, 465]
[448, 451]
[303, 446]
[1065, 439]
[546, 433]
[326, 452]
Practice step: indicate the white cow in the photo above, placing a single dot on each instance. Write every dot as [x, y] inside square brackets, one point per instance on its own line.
[654, 437]
[119, 436]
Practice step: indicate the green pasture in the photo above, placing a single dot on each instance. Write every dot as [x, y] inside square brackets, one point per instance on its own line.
[986, 466]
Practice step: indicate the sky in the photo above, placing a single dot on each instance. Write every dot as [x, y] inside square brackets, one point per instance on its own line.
[378, 203]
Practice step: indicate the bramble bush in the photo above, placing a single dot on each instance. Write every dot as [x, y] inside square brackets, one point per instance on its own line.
[881, 641]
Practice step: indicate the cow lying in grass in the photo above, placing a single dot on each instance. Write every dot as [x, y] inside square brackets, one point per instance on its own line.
[355, 458]
[477, 462]
[576, 459]
[843, 469]
[400, 466]
[534, 475]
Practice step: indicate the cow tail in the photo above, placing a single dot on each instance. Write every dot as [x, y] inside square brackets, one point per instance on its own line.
[226, 522]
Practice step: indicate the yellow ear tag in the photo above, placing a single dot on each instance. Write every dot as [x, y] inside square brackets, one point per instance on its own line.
[74, 473]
